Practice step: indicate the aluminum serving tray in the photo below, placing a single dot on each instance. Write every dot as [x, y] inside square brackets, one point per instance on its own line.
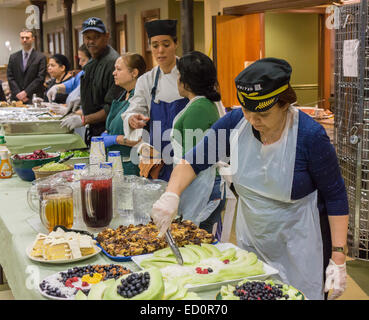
[16, 128]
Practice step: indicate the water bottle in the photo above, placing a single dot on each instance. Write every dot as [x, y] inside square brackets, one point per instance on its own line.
[125, 199]
[34, 100]
[97, 150]
[77, 201]
[122, 190]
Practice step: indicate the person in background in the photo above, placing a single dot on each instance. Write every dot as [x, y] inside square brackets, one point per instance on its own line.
[292, 202]
[156, 99]
[98, 89]
[26, 70]
[2, 94]
[58, 69]
[71, 87]
[128, 68]
[197, 81]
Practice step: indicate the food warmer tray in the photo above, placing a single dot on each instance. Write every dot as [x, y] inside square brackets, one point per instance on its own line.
[14, 128]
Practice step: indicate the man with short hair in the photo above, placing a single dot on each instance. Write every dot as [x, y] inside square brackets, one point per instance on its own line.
[98, 89]
[26, 70]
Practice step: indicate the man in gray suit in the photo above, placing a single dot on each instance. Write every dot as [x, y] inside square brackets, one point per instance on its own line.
[26, 70]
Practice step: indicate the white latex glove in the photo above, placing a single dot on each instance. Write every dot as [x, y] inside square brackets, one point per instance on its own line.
[51, 93]
[335, 279]
[164, 211]
[72, 122]
[74, 104]
[58, 108]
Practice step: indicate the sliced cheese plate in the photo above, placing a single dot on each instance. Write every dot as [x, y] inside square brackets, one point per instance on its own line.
[61, 261]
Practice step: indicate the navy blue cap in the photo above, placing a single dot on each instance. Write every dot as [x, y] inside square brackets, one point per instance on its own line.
[261, 83]
[94, 24]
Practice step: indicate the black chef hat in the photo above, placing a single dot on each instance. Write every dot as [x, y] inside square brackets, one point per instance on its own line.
[161, 27]
[261, 83]
[94, 24]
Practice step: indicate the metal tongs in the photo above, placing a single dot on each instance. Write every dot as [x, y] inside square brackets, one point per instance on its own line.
[174, 247]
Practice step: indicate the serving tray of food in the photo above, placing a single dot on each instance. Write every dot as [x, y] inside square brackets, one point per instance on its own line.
[65, 285]
[62, 246]
[270, 289]
[206, 266]
[13, 128]
[124, 242]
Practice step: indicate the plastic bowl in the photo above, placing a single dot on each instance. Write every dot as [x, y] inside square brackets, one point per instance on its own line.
[23, 167]
[44, 174]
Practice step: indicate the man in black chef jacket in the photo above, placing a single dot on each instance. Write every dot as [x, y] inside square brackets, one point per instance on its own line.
[98, 89]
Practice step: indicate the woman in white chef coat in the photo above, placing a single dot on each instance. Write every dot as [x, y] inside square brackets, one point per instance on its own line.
[157, 101]
[292, 199]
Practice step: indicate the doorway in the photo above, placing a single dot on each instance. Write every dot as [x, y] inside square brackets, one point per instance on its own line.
[121, 32]
[296, 35]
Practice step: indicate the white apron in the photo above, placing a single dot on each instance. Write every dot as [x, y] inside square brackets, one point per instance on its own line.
[285, 233]
[194, 204]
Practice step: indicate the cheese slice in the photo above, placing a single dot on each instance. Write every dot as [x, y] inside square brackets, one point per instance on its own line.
[61, 245]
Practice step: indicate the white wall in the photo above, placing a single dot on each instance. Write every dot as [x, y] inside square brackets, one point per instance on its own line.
[12, 21]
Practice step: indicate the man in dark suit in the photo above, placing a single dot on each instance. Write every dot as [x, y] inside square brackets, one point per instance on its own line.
[26, 70]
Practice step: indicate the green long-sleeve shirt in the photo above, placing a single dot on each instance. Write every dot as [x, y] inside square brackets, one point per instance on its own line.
[201, 114]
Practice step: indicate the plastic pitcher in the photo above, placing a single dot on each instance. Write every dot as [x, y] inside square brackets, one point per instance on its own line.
[56, 207]
[96, 195]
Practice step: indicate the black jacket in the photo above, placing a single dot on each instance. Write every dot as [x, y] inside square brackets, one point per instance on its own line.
[31, 79]
[98, 89]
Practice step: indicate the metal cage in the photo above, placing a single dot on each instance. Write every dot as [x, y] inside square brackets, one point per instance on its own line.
[351, 127]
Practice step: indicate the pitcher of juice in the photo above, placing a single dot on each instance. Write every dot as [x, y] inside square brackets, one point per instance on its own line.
[56, 207]
[97, 195]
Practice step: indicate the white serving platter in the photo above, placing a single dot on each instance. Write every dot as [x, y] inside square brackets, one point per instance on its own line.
[269, 271]
[29, 249]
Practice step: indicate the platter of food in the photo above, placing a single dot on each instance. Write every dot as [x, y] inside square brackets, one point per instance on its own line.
[13, 104]
[59, 247]
[260, 290]
[317, 113]
[206, 266]
[66, 284]
[124, 242]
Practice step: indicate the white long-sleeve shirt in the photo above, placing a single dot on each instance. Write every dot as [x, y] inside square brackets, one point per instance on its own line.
[140, 103]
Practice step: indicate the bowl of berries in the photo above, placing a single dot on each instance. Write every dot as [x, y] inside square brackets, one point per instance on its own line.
[24, 162]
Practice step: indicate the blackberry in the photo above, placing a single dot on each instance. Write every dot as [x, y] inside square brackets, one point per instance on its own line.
[257, 290]
[134, 284]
